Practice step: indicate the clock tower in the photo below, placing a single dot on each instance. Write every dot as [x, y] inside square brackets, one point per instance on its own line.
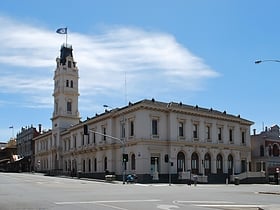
[65, 95]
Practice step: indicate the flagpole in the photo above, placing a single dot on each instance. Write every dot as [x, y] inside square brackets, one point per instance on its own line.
[12, 127]
[66, 35]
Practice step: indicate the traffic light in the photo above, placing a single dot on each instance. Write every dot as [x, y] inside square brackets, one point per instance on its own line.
[125, 157]
[85, 129]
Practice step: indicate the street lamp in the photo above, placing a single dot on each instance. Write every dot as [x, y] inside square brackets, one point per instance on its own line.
[269, 60]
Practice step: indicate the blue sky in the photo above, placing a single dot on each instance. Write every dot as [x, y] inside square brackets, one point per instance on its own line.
[199, 52]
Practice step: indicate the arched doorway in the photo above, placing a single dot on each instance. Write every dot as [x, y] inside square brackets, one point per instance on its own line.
[230, 164]
[181, 162]
[219, 164]
[207, 164]
[105, 164]
[194, 163]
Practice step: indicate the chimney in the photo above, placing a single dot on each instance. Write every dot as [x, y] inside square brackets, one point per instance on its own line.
[254, 131]
[40, 128]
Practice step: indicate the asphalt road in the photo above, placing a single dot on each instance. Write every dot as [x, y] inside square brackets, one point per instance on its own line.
[35, 191]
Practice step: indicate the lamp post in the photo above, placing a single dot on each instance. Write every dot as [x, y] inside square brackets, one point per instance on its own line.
[268, 60]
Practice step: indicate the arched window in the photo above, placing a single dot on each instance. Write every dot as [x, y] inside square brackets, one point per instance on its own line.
[261, 150]
[181, 162]
[84, 165]
[133, 162]
[207, 164]
[275, 150]
[69, 165]
[67, 83]
[194, 163]
[95, 164]
[65, 165]
[105, 164]
[74, 165]
[89, 165]
[219, 164]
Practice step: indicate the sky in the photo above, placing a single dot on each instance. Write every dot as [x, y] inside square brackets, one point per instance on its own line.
[198, 52]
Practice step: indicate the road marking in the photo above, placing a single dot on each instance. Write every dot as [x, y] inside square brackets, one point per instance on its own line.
[112, 207]
[231, 207]
[98, 202]
[202, 202]
[167, 207]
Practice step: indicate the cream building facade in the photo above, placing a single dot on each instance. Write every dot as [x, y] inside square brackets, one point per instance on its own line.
[163, 140]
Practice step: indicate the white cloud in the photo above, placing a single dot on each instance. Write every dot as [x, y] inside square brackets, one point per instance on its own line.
[152, 62]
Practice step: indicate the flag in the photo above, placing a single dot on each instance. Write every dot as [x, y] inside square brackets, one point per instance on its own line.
[11, 127]
[61, 31]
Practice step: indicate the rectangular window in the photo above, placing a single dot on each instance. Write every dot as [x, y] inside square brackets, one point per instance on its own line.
[83, 140]
[243, 137]
[195, 131]
[69, 107]
[181, 129]
[75, 141]
[69, 64]
[220, 134]
[208, 132]
[104, 133]
[230, 135]
[154, 127]
[94, 138]
[122, 130]
[131, 128]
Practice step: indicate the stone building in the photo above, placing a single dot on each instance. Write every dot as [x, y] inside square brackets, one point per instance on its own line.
[25, 146]
[265, 150]
[163, 141]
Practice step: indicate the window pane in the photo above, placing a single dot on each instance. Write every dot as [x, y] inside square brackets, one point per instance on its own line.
[154, 127]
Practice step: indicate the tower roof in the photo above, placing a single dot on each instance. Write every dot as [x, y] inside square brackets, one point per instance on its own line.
[65, 50]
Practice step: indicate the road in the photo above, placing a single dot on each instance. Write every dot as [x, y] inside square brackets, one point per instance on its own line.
[35, 191]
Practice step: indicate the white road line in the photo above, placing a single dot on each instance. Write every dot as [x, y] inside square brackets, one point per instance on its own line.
[202, 202]
[98, 202]
[112, 207]
[230, 206]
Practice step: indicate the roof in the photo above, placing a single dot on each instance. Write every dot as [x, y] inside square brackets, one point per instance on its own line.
[175, 107]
